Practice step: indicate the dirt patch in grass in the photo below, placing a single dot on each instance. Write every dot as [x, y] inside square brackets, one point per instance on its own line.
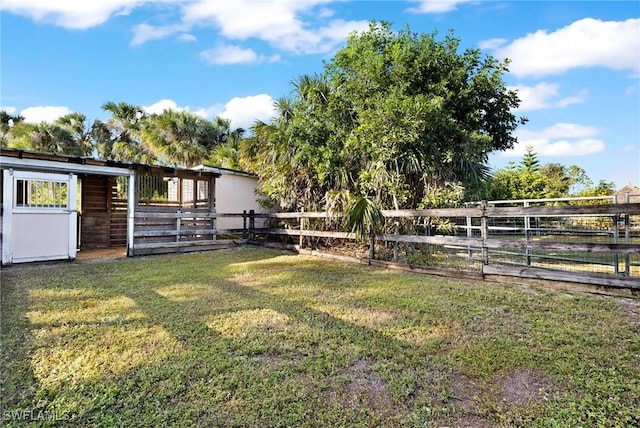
[464, 394]
[517, 389]
[522, 387]
[366, 388]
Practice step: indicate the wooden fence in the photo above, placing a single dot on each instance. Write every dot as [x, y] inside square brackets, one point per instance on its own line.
[180, 231]
[607, 257]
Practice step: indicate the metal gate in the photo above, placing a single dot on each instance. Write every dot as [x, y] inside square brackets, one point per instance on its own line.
[39, 216]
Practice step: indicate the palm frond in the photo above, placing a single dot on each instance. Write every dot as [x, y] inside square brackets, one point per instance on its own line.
[364, 217]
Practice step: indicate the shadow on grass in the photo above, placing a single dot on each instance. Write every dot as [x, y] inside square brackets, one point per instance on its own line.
[140, 344]
[258, 338]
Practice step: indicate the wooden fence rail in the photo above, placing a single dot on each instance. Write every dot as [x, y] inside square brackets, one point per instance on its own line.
[181, 231]
[488, 245]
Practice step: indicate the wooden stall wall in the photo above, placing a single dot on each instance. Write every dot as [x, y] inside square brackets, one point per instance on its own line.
[104, 213]
[118, 212]
[95, 216]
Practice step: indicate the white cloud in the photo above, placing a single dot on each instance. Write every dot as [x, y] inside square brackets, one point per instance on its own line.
[209, 112]
[44, 113]
[632, 89]
[561, 130]
[8, 109]
[436, 6]
[186, 37]
[168, 104]
[228, 54]
[278, 23]
[300, 27]
[162, 105]
[544, 95]
[561, 139]
[73, 14]
[244, 111]
[325, 13]
[144, 32]
[585, 43]
[492, 44]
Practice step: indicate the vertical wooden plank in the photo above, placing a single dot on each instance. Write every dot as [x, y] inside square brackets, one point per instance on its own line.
[396, 232]
[178, 226]
[72, 195]
[469, 235]
[7, 215]
[527, 235]
[627, 237]
[616, 240]
[212, 207]
[195, 193]
[245, 234]
[372, 246]
[301, 238]
[251, 224]
[484, 233]
[132, 202]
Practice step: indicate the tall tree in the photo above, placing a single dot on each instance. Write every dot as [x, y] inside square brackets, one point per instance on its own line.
[228, 154]
[44, 137]
[119, 137]
[530, 160]
[7, 121]
[393, 117]
[77, 125]
[179, 138]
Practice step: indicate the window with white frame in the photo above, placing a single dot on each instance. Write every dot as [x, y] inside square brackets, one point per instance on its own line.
[30, 193]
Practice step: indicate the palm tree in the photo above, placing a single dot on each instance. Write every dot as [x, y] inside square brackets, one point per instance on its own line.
[76, 123]
[180, 137]
[228, 155]
[221, 130]
[44, 137]
[119, 137]
[7, 121]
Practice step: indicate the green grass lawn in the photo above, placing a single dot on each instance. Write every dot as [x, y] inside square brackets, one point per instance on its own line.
[256, 337]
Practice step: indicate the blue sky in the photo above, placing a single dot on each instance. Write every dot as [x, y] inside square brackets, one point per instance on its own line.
[575, 64]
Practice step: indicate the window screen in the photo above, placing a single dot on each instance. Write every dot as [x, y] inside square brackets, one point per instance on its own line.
[41, 194]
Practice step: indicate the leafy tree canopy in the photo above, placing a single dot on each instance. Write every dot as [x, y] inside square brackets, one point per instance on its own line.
[531, 180]
[395, 117]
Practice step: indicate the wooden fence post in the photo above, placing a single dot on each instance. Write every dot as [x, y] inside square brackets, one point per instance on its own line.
[484, 233]
[627, 237]
[396, 232]
[527, 235]
[178, 225]
[469, 235]
[252, 224]
[372, 244]
[301, 238]
[245, 234]
[616, 240]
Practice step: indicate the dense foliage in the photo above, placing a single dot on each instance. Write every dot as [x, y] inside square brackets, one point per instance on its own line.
[397, 117]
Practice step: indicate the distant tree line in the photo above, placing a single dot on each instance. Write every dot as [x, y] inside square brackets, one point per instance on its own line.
[175, 138]
[395, 120]
[531, 180]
